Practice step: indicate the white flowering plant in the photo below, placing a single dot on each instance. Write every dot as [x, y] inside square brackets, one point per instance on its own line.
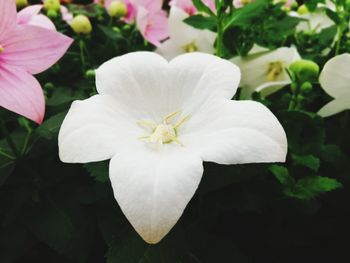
[174, 131]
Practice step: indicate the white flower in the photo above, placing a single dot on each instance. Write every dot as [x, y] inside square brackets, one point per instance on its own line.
[335, 80]
[158, 121]
[185, 38]
[264, 71]
[316, 20]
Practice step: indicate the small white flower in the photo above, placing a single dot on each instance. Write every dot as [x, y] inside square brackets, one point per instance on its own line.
[185, 38]
[316, 20]
[335, 80]
[264, 71]
[158, 121]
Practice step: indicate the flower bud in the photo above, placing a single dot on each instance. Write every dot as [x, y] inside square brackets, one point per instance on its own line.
[306, 87]
[52, 5]
[90, 74]
[305, 70]
[302, 10]
[81, 24]
[347, 5]
[117, 9]
[52, 13]
[21, 3]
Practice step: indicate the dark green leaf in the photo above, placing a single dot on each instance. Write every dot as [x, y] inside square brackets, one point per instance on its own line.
[202, 22]
[282, 175]
[98, 170]
[309, 161]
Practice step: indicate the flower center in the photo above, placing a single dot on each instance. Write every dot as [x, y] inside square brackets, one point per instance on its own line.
[275, 69]
[191, 47]
[164, 132]
[1, 49]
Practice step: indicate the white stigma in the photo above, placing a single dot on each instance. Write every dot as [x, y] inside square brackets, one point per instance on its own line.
[164, 132]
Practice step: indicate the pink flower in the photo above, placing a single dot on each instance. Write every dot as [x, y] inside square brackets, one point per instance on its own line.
[152, 21]
[130, 6]
[25, 50]
[31, 16]
[188, 7]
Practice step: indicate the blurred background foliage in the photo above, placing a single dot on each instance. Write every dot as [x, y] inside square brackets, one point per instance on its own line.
[56, 212]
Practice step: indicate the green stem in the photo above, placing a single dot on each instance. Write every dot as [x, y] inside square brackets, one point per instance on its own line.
[9, 140]
[219, 40]
[339, 38]
[82, 56]
[7, 155]
[25, 144]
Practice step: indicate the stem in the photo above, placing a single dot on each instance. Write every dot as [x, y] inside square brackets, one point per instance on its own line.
[219, 39]
[339, 38]
[7, 155]
[9, 140]
[25, 144]
[82, 57]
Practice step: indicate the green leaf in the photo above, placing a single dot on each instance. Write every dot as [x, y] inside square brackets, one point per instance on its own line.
[50, 128]
[6, 169]
[310, 187]
[309, 161]
[282, 175]
[312, 4]
[202, 22]
[98, 170]
[111, 33]
[243, 16]
[333, 15]
[202, 7]
[131, 250]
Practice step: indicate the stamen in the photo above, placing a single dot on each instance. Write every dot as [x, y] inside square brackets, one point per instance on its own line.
[275, 69]
[191, 47]
[1, 49]
[181, 122]
[165, 132]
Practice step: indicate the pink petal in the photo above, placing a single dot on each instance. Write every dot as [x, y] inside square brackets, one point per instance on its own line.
[26, 14]
[34, 49]
[30, 16]
[42, 21]
[7, 17]
[153, 26]
[20, 92]
[66, 15]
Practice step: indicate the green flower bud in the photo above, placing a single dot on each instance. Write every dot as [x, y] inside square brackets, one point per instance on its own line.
[49, 86]
[117, 9]
[21, 3]
[302, 10]
[81, 24]
[52, 13]
[52, 5]
[90, 74]
[304, 70]
[306, 87]
[347, 5]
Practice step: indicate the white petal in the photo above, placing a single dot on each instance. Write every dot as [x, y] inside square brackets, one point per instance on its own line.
[153, 188]
[202, 78]
[335, 106]
[138, 81]
[233, 132]
[169, 49]
[152, 88]
[94, 130]
[179, 31]
[335, 77]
